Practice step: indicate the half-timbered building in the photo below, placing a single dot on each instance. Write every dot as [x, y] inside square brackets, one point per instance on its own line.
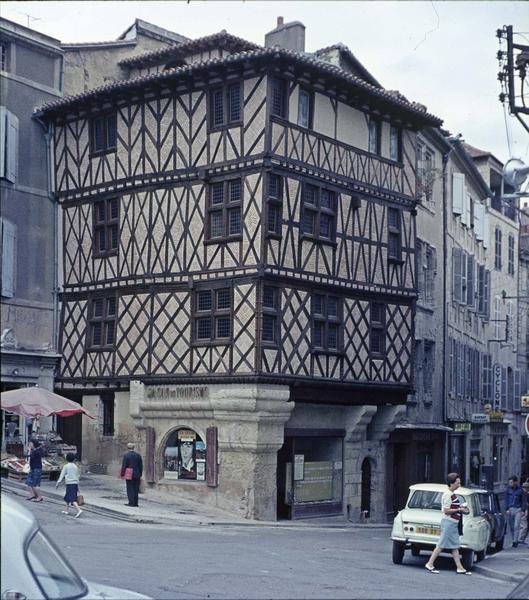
[239, 271]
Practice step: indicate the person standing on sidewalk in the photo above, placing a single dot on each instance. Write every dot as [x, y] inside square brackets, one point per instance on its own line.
[524, 523]
[132, 470]
[453, 512]
[513, 507]
[70, 474]
[35, 471]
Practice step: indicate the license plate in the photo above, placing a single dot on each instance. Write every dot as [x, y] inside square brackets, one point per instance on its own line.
[428, 530]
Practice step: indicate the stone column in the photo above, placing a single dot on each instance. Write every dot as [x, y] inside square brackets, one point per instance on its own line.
[250, 420]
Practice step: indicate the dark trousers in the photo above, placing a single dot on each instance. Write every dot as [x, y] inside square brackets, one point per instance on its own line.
[133, 488]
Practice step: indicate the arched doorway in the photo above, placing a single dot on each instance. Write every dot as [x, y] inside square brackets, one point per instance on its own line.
[365, 502]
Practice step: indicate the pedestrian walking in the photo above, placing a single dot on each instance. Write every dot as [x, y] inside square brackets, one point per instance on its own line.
[451, 521]
[70, 474]
[513, 507]
[35, 471]
[524, 522]
[132, 470]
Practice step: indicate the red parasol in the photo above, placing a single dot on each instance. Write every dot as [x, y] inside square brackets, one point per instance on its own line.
[38, 402]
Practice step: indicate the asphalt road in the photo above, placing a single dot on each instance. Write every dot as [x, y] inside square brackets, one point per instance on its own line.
[251, 562]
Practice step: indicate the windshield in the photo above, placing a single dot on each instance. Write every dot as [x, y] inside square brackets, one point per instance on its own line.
[55, 576]
[428, 500]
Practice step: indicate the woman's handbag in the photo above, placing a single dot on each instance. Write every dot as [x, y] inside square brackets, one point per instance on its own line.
[80, 499]
[129, 473]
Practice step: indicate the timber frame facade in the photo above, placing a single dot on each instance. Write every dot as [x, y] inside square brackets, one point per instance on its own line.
[242, 251]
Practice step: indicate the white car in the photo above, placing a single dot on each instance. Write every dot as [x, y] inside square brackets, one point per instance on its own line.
[34, 569]
[418, 525]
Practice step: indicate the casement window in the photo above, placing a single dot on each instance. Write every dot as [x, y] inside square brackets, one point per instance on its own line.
[271, 318]
[102, 317]
[212, 316]
[483, 287]
[395, 143]
[427, 264]
[8, 145]
[486, 378]
[510, 268]
[377, 328]
[106, 227]
[394, 234]
[225, 105]
[326, 323]
[497, 249]
[305, 104]
[103, 134]
[224, 220]
[4, 56]
[107, 401]
[274, 204]
[470, 300]
[318, 213]
[375, 135]
[8, 246]
[278, 97]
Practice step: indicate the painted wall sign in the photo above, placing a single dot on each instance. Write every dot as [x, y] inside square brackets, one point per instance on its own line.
[166, 392]
[496, 385]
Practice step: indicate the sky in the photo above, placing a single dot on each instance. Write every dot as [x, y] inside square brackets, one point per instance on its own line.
[441, 54]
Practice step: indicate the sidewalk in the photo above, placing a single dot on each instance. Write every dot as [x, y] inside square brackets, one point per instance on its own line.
[510, 565]
[106, 495]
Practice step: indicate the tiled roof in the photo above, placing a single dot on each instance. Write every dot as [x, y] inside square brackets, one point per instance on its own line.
[475, 152]
[112, 44]
[322, 67]
[178, 50]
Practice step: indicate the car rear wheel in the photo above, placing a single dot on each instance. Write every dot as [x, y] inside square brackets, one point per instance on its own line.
[398, 552]
[415, 551]
[480, 555]
[468, 559]
[499, 544]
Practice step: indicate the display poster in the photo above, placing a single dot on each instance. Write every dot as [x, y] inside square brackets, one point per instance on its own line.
[299, 462]
[186, 463]
[170, 462]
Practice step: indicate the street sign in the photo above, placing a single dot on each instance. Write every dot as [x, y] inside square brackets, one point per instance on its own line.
[496, 385]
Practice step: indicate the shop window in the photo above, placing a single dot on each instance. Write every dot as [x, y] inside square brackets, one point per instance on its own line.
[102, 323]
[185, 456]
[106, 227]
[270, 329]
[326, 323]
[224, 211]
[225, 106]
[212, 316]
[318, 213]
[275, 204]
[103, 134]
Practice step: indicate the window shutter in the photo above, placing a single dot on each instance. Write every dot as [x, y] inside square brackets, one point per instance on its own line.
[463, 293]
[486, 228]
[8, 258]
[458, 193]
[466, 209]
[517, 388]
[479, 213]
[456, 279]
[211, 457]
[3, 140]
[470, 280]
[11, 147]
[486, 294]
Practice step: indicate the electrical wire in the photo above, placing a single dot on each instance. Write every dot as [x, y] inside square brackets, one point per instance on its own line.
[507, 131]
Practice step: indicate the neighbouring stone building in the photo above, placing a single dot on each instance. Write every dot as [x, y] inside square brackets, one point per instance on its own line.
[30, 74]
[240, 271]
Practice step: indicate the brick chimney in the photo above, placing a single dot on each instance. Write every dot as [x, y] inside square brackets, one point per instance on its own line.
[287, 35]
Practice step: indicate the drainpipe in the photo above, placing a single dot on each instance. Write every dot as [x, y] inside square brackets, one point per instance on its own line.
[445, 302]
[48, 136]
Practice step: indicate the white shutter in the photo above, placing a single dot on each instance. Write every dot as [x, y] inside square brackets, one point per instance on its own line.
[458, 193]
[479, 212]
[486, 228]
[8, 258]
[3, 140]
[11, 147]
[465, 215]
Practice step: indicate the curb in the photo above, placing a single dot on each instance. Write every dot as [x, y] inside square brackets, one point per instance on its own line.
[497, 574]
